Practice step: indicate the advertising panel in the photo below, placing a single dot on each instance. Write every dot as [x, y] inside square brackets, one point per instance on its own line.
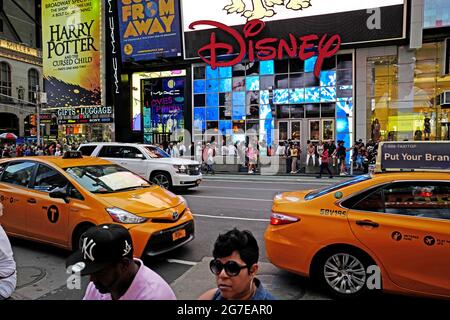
[354, 20]
[415, 155]
[149, 29]
[71, 52]
[164, 100]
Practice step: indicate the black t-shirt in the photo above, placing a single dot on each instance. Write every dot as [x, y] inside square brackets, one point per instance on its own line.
[341, 153]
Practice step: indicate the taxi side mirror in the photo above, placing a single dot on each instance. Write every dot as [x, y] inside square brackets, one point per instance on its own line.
[60, 193]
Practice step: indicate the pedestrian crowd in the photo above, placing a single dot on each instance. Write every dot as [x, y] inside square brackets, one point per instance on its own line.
[57, 148]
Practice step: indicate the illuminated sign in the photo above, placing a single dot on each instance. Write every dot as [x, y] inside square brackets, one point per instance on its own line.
[234, 13]
[72, 51]
[20, 48]
[354, 21]
[93, 114]
[149, 29]
[265, 48]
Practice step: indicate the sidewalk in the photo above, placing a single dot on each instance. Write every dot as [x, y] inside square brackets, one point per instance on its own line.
[272, 178]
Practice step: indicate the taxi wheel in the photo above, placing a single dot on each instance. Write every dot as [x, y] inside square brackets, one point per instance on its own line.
[162, 179]
[343, 273]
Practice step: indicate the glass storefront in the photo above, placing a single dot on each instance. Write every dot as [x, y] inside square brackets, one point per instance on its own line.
[160, 98]
[82, 133]
[253, 99]
[402, 100]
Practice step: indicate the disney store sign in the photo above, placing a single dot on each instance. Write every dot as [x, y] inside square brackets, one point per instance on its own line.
[252, 47]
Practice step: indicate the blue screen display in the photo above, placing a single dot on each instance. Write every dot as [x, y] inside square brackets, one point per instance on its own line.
[212, 114]
[281, 96]
[225, 85]
[310, 64]
[212, 86]
[199, 86]
[212, 100]
[328, 94]
[225, 72]
[296, 96]
[212, 74]
[327, 78]
[312, 95]
[252, 83]
[239, 98]
[266, 67]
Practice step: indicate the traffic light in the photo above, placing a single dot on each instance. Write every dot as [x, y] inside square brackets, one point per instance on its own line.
[33, 120]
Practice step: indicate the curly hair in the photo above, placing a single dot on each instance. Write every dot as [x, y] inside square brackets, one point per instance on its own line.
[235, 240]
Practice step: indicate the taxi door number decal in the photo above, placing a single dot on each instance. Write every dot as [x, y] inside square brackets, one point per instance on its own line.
[53, 214]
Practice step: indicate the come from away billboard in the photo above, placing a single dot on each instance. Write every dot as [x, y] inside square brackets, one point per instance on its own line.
[149, 29]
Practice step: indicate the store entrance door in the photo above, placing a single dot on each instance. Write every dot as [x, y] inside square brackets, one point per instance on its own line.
[289, 130]
[302, 130]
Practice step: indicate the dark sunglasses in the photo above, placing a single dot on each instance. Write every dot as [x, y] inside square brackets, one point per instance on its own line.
[232, 268]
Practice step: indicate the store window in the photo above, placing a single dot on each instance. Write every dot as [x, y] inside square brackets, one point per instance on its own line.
[164, 103]
[5, 82]
[402, 98]
[33, 82]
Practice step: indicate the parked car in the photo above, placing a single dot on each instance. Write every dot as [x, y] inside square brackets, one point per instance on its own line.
[149, 162]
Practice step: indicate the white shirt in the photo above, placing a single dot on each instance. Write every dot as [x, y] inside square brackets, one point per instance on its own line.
[224, 150]
[7, 266]
[281, 150]
[231, 150]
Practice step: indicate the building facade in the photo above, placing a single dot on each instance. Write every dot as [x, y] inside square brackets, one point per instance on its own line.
[384, 82]
[20, 66]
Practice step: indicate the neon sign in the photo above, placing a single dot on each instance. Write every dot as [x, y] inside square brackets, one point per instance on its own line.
[303, 47]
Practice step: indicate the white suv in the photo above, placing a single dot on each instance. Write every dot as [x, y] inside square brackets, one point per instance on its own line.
[148, 161]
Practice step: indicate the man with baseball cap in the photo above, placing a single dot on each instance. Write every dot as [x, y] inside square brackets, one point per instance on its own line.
[106, 254]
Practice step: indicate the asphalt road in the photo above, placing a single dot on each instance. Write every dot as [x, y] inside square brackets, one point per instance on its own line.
[219, 204]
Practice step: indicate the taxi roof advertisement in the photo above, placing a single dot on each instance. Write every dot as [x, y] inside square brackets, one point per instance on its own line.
[414, 155]
[355, 21]
[71, 52]
[149, 30]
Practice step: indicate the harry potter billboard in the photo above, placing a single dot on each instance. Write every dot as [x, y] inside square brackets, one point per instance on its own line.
[71, 52]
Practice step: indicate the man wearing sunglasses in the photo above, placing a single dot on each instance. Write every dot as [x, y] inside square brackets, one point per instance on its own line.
[235, 265]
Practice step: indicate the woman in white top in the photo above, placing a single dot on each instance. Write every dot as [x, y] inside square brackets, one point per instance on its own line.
[8, 275]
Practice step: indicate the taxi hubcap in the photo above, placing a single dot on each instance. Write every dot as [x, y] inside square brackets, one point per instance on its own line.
[345, 273]
[161, 180]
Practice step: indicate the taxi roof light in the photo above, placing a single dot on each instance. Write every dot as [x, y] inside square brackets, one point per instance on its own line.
[72, 155]
[413, 156]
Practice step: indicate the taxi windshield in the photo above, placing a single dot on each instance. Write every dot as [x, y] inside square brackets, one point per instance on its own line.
[106, 178]
[320, 192]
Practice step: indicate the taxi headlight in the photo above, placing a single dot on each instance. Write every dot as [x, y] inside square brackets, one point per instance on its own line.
[122, 216]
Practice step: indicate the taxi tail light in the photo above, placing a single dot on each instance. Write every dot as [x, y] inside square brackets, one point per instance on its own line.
[278, 219]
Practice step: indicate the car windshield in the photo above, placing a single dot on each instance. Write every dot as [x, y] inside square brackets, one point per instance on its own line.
[320, 192]
[106, 178]
[156, 153]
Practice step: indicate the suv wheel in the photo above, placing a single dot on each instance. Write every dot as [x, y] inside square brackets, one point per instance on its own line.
[162, 179]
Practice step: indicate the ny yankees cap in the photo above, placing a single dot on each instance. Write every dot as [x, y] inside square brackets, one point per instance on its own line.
[99, 247]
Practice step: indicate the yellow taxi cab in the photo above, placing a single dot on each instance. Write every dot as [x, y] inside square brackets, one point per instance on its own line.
[55, 200]
[389, 230]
